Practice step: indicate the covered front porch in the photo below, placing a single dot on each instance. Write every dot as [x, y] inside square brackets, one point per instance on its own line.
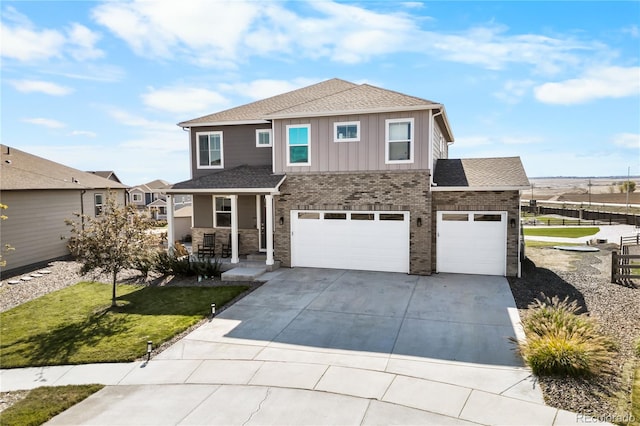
[236, 206]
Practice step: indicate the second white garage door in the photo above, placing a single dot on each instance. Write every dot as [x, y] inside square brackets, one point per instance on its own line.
[472, 242]
[371, 241]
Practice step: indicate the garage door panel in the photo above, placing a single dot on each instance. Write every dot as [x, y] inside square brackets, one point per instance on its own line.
[471, 242]
[377, 245]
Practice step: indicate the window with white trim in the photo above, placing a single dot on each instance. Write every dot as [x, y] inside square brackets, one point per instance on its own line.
[209, 150]
[137, 197]
[399, 141]
[346, 131]
[263, 137]
[298, 145]
[98, 202]
[222, 214]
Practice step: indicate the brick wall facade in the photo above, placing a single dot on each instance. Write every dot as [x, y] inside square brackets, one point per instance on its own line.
[247, 239]
[382, 191]
[508, 201]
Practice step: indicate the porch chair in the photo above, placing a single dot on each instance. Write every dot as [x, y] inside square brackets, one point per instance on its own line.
[208, 246]
[226, 248]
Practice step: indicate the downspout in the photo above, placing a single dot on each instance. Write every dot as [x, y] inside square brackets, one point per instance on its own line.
[432, 165]
[82, 192]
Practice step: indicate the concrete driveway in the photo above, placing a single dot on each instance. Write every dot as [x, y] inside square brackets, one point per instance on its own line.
[316, 346]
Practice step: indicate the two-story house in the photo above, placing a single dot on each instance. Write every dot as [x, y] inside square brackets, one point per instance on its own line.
[151, 196]
[341, 175]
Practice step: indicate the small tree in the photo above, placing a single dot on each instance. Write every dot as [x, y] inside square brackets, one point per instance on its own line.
[114, 241]
[629, 186]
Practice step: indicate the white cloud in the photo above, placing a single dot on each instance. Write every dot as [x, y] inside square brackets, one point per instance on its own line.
[83, 41]
[474, 141]
[46, 87]
[596, 83]
[45, 122]
[627, 140]
[183, 100]
[514, 90]
[22, 41]
[323, 29]
[83, 133]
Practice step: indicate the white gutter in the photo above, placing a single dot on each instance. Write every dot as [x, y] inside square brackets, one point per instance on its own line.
[273, 191]
[308, 114]
[185, 124]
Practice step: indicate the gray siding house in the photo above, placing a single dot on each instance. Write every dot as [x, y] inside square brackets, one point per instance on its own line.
[341, 175]
[40, 195]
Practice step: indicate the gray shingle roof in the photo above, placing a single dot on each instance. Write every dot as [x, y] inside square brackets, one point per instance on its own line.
[21, 170]
[259, 109]
[359, 98]
[481, 173]
[247, 177]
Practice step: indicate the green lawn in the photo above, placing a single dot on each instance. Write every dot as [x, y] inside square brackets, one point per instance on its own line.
[561, 232]
[539, 244]
[76, 325]
[44, 403]
[635, 398]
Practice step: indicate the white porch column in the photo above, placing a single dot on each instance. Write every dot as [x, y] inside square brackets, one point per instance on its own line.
[234, 229]
[170, 224]
[268, 200]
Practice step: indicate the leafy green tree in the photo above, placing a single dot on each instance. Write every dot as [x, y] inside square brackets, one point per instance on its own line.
[116, 240]
[628, 186]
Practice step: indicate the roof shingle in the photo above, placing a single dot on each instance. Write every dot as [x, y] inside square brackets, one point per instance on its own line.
[243, 177]
[481, 173]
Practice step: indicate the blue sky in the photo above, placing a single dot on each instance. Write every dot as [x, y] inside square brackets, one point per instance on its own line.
[101, 85]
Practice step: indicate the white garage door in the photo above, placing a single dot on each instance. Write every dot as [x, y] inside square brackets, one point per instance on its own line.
[472, 242]
[371, 241]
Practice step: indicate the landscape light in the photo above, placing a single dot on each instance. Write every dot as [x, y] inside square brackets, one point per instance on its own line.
[149, 348]
[213, 309]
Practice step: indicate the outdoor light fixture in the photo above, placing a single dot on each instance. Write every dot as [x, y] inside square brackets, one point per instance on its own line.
[512, 222]
[419, 222]
[149, 348]
[213, 309]
[281, 220]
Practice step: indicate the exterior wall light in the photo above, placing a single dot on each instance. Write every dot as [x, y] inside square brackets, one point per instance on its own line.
[419, 222]
[512, 222]
[281, 220]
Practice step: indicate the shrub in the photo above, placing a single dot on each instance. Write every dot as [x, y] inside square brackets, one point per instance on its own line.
[562, 342]
[168, 264]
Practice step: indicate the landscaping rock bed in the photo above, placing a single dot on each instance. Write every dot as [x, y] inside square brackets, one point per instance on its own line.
[584, 277]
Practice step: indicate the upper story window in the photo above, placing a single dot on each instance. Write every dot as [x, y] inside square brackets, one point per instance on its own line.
[209, 150]
[137, 197]
[263, 137]
[399, 142]
[298, 145]
[346, 132]
[98, 201]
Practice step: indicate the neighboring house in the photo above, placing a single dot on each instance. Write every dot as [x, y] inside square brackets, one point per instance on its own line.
[340, 175]
[107, 174]
[151, 196]
[183, 223]
[40, 195]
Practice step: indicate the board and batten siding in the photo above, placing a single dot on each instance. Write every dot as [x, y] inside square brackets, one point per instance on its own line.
[439, 145]
[238, 147]
[365, 155]
[36, 222]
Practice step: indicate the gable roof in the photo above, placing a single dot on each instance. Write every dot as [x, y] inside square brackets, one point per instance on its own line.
[362, 98]
[107, 174]
[157, 185]
[238, 179]
[331, 97]
[21, 170]
[480, 173]
[256, 111]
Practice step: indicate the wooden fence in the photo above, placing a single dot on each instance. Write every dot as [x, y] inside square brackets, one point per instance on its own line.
[622, 270]
[585, 215]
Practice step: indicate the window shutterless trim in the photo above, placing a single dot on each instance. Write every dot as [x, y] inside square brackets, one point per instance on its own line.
[217, 132]
[387, 141]
[258, 132]
[346, 123]
[308, 145]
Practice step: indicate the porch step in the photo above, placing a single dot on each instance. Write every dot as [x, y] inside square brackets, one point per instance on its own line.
[243, 273]
[257, 257]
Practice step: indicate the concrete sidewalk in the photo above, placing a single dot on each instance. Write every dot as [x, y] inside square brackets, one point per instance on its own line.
[315, 346]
